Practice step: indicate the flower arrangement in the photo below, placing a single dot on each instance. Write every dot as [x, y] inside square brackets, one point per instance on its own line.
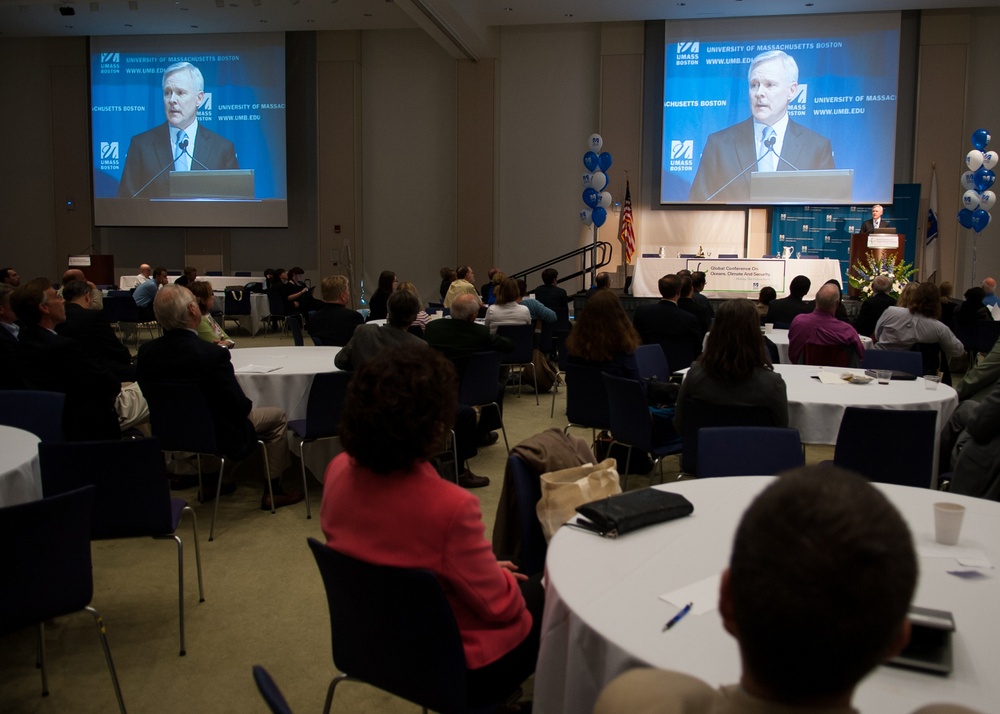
[864, 272]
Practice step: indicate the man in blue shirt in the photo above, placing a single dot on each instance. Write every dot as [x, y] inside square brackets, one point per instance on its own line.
[145, 293]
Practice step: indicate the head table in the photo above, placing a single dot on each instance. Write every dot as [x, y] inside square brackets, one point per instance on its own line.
[20, 477]
[604, 615]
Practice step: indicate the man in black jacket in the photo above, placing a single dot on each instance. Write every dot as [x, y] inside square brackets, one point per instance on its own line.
[784, 310]
[873, 307]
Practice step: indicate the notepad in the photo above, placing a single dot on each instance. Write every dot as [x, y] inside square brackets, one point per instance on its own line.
[257, 369]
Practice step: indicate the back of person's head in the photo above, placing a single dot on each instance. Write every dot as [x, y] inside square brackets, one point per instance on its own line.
[448, 273]
[268, 273]
[202, 291]
[989, 285]
[906, 295]
[73, 275]
[403, 307]
[687, 286]
[333, 287]
[549, 276]
[491, 272]
[159, 273]
[669, 286]
[603, 280]
[27, 298]
[507, 291]
[603, 330]
[386, 280]
[947, 290]
[975, 295]
[190, 272]
[926, 300]
[698, 280]
[75, 290]
[767, 294]
[522, 286]
[171, 306]
[498, 278]
[799, 286]
[820, 580]
[465, 307]
[278, 272]
[735, 347]
[411, 288]
[399, 406]
[881, 284]
[827, 298]
[682, 272]
[462, 272]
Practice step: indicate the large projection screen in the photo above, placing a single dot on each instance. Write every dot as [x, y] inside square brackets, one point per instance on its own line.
[840, 114]
[238, 157]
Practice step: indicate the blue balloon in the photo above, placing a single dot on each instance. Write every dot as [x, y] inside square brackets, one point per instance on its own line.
[605, 159]
[965, 218]
[591, 161]
[980, 219]
[984, 179]
[591, 197]
[599, 215]
[980, 139]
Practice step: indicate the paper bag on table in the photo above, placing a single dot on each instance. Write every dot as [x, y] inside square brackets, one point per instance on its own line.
[563, 491]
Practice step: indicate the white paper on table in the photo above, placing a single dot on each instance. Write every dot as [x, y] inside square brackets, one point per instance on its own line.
[703, 595]
[827, 377]
[257, 369]
[966, 556]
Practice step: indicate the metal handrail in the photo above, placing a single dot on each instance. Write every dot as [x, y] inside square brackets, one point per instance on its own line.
[606, 250]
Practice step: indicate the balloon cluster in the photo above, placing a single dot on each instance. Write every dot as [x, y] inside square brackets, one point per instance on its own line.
[978, 199]
[597, 200]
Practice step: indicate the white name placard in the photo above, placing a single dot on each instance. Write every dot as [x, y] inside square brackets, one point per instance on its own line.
[883, 240]
[740, 275]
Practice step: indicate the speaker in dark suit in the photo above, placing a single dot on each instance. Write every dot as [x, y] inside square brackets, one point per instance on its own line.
[869, 226]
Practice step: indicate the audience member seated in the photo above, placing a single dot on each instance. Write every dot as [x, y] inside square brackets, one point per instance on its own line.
[687, 303]
[422, 317]
[764, 299]
[822, 328]
[297, 297]
[906, 295]
[10, 372]
[9, 276]
[841, 312]
[602, 281]
[180, 357]
[208, 329]
[448, 276]
[797, 596]
[970, 312]
[398, 410]
[970, 447]
[92, 329]
[507, 310]
[979, 381]
[536, 309]
[377, 309]
[734, 369]
[145, 273]
[784, 310]
[145, 293]
[554, 297]
[76, 275]
[948, 307]
[900, 328]
[189, 276]
[51, 362]
[270, 278]
[989, 292]
[604, 338]
[873, 307]
[665, 324]
[462, 285]
[698, 282]
[334, 322]
[486, 290]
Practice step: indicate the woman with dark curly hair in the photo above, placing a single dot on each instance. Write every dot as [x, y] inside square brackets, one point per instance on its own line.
[384, 503]
[377, 308]
[604, 337]
[734, 369]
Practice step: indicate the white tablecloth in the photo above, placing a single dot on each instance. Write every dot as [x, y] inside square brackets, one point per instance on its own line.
[603, 614]
[20, 477]
[648, 272]
[219, 282]
[288, 386]
[780, 340]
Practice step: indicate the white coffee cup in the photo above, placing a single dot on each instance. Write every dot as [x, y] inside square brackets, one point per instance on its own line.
[768, 327]
[948, 522]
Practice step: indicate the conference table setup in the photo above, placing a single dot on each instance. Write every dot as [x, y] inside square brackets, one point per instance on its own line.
[20, 476]
[218, 282]
[780, 340]
[607, 601]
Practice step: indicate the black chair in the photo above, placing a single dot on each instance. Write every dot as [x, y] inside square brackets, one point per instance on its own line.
[932, 360]
[528, 488]
[213, 273]
[632, 424]
[586, 399]
[180, 418]
[651, 362]
[523, 337]
[479, 385]
[697, 414]
[237, 305]
[897, 360]
[728, 255]
[907, 456]
[47, 569]
[294, 325]
[132, 497]
[123, 312]
[276, 307]
[748, 451]
[242, 273]
[326, 402]
[987, 333]
[41, 413]
[393, 628]
[269, 691]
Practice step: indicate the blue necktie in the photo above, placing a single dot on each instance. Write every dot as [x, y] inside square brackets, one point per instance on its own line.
[182, 162]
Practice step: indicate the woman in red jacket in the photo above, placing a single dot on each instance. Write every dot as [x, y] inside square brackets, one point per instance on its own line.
[384, 503]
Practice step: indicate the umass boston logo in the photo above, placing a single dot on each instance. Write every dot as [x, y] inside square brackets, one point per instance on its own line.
[798, 103]
[682, 155]
[110, 63]
[687, 53]
[109, 155]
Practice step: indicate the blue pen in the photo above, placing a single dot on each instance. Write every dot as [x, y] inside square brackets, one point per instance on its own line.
[677, 618]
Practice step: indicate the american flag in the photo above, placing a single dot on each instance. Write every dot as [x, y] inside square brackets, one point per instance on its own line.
[627, 233]
[932, 247]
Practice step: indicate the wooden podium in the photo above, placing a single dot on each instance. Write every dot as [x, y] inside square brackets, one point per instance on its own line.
[99, 269]
[879, 244]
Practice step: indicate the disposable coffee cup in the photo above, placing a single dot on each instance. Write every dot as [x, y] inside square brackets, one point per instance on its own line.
[883, 375]
[948, 522]
[768, 327]
[932, 381]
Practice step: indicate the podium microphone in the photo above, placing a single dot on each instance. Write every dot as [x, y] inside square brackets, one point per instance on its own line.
[184, 148]
[158, 174]
[730, 181]
[770, 150]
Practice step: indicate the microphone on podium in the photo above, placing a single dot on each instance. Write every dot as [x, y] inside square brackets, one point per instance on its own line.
[183, 146]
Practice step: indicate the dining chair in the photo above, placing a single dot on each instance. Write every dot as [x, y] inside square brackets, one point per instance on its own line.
[897, 360]
[888, 445]
[697, 414]
[528, 489]
[39, 412]
[651, 362]
[523, 337]
[132, 497]
[586, 400]
[632, 424]
[179, 416]
[479, 385]
[47, 570]
[237, 305]
[323, 409]
[408, 646]
[294, 325]
[276, 307]
[748, 450]
[269, 691]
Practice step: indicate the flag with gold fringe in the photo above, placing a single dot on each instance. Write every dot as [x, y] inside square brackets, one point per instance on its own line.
[627, 232]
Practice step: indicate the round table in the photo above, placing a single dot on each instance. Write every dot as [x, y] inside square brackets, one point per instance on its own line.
[20, 477]
[604, 615]
[780, 340]
[288, 385]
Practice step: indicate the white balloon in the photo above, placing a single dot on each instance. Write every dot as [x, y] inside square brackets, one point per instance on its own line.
[594, 143]
[970, 199]
[585, 217]
[990, 159]
[987, 200]
[598, 180]
[969, 181]
[605, 200]
[974, 159]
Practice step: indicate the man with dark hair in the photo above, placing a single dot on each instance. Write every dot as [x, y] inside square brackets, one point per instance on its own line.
[664, 323]
[92, 329]
[808, 555]
[698, 282]
[486, 289]
[821, 327]
[554, 298]
[10, 277]
[189, 276]
[784, 310]
[874, 306]
[334, 322]
[55, 363]
[602, 281]
[145, 293]
[462, 285]
[687, 303]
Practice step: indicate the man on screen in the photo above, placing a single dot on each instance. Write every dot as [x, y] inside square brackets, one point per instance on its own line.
[180, 144]
[768, 141]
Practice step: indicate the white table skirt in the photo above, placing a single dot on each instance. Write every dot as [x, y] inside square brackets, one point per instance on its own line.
[603, 614]
[219, 282]
[20, 477]
[648, 272]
